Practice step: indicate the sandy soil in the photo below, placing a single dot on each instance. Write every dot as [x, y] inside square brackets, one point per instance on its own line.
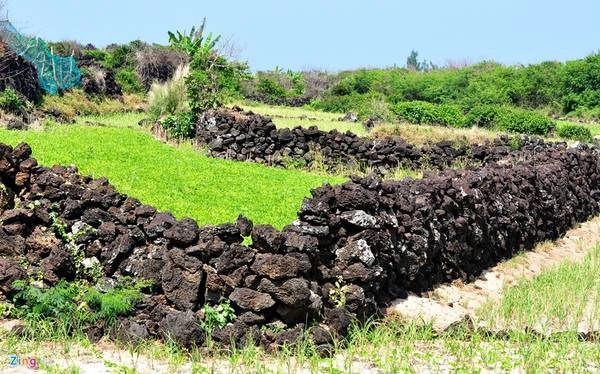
[450, 304]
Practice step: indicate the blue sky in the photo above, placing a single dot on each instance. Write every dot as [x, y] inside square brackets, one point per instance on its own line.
[335, 34]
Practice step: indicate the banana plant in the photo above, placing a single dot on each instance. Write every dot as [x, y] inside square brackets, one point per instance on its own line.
[194, 41]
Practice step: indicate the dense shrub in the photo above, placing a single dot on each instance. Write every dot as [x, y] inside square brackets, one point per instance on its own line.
[135, 66]
[417, 112]
[484, 115]
[270, 88]
[451, 115]
[276, 85]
[119, 57]
[489, 116]
[373, 106]
[180, 125]
[10, 101]
[525, 122]
[420, 112]
[574, 131]
[128, 80]
[212, 78]
[551, 86]
[96, 55]
[581, 83]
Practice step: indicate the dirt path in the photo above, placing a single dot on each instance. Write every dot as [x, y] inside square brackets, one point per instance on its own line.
[453, 303]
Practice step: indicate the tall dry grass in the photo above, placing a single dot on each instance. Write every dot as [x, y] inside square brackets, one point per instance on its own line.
[169, 97]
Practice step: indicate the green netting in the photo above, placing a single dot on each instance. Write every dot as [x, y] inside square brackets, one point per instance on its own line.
[55, 73]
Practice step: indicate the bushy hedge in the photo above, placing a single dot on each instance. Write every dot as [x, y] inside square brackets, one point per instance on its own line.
[484, 115]
[524, 122]
[574, 131]
[421, 112]
[418, 112]
[487, 116]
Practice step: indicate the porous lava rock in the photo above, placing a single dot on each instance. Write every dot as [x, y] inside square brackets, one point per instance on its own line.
[353, 247]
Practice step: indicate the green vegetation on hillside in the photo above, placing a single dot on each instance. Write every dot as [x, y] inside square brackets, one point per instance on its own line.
[569, 88]
[180, 180]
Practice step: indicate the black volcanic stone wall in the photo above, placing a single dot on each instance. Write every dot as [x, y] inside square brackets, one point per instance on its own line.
[18, 74]
[381, 238]
[244, 136]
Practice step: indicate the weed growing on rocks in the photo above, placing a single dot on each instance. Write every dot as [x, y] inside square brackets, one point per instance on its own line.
[68, 307]
[217, 316]
[70, 239]
[338, 292]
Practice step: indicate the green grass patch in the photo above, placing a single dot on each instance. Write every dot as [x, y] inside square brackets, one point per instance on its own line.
[558, 299]
[305, 117]
[177, 179]
[388, 346]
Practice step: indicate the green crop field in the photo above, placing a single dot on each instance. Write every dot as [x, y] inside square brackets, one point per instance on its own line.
[180, 179]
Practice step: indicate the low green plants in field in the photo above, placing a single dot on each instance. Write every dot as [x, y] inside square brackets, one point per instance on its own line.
[574, 131]
[388, 345]
[176, 179]
[556, 300]
[367, 105]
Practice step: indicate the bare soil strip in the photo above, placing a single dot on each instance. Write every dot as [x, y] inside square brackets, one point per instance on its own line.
[450, 304]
